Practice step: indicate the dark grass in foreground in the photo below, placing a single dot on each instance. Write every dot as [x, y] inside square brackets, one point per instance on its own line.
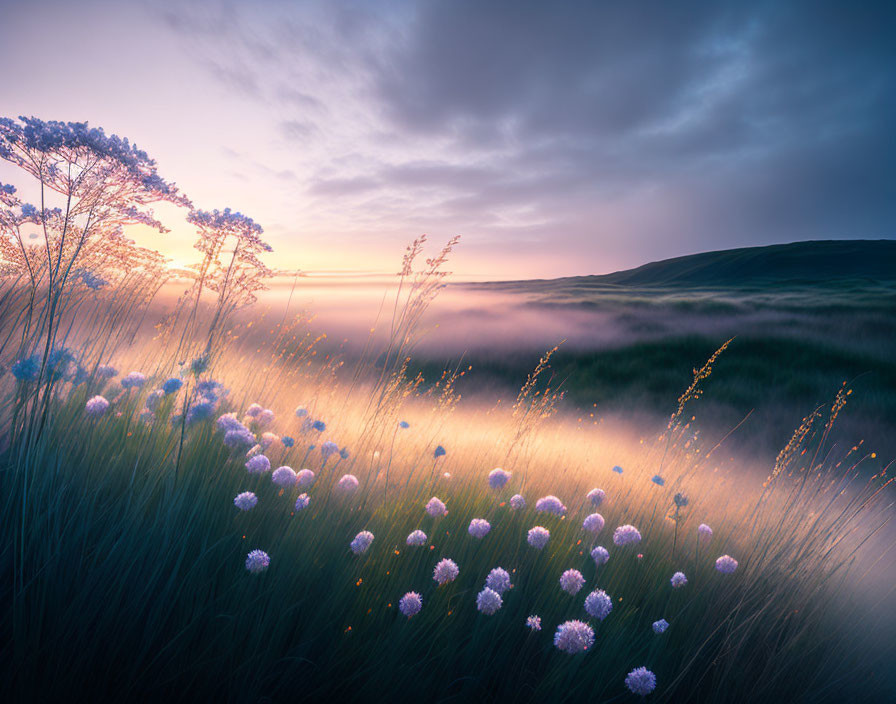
[133, 587]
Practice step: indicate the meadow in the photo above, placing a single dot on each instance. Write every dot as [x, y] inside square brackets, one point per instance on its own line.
[215, 503]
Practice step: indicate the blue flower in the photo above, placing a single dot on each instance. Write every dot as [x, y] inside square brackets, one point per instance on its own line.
[680, 500]
[287, 441]
[641, 681]
[657, 479]
[172, 385]
[200, 411]
[328, 448]
[617, 469]
[440, 452]
[404, 424]
[660, 626]
[343, 453]
[319, 426]
[26, 369]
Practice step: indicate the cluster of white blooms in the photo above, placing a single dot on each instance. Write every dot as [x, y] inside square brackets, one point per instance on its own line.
[626, 535]
[596, 497]
[598, 604]
[435, 507]
[593, 523]
[538, 537]
[572, 581]
[574, 637]
[362, 542]
[488, 601]
[479, 528]
[417, 537]
[445, 571]
[497, 478]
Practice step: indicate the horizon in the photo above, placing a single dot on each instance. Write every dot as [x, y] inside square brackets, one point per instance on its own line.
[555, 145]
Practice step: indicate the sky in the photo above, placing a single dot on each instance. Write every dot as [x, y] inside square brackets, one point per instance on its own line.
[557, 138]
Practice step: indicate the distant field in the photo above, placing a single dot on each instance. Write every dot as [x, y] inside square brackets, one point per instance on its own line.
[630, 349]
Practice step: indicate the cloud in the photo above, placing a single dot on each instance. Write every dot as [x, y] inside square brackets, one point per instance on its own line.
[732, 123]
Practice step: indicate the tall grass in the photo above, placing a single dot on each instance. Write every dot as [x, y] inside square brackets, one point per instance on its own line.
[124, 552]
[132, 583]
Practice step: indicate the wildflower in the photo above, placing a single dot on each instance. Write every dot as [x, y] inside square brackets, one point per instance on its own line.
[726, 564]
[596, 497]
[154, 399]
[641, 681]
[268, 439]
[361, 542]
[660, 626]
[657, 479]
[200, 411]
[287, 441]
[704, 532]
[445, 571]
[301, 412]
[600, 555]
[440, 452]
[284, 477]
[517, 502]
[259, 464]
[550, 504]
[199, 365]
[239, 438]
[227, 422]
[410, 604]
[257, 561]
[96, 406]
[617, 469]
[498, 580]
[488, 601]
[133, 380]
[266, 417]
[343, 453]
[538, 537]
[593, 523]
[497, 478]
[348, 484]
[245, 501]
[254, 410]
[106, 371]
[172, 385]
[625, 535]
[534, 623]
[319, 426]
[404, 424]
[302, 502]
[328, 448]
[572, 581]
[680, 500]
[678, 580]
[417, 538]
[305, 478]
[479, 528]
[210, 390]
[435, 508]
[574, 637]
[598, 604]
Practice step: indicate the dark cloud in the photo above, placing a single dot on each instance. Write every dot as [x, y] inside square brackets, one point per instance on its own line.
[736, 123]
